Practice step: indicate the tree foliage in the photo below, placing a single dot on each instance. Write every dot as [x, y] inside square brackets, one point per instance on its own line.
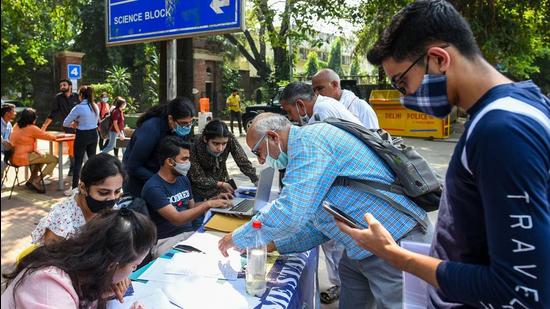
[312, 64]
[292, 23]
[513, 35]
[119, 78]
[32, 31]
[355, 68]
[335, 57]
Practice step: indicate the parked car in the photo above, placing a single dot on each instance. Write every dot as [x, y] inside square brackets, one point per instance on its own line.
[272, 106]
[19, 107]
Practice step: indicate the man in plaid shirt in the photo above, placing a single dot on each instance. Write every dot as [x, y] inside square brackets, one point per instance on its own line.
[295, 222]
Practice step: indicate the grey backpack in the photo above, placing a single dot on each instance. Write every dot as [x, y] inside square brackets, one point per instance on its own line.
[414, 176]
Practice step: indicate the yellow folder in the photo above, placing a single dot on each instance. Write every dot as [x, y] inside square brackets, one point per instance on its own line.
[224, 223]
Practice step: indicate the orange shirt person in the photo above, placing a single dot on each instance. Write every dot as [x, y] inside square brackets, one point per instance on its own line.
[23, 138]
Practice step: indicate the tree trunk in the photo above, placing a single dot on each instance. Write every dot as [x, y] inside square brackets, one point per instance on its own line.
[282, 68]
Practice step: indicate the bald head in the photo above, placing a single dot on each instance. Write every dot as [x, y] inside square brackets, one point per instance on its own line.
[327, 83]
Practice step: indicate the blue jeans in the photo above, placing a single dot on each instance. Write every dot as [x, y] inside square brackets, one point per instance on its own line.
[112, 142]
[373, 283]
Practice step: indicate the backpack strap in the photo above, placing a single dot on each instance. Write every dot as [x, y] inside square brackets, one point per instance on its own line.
[511, 105]
[366, 186]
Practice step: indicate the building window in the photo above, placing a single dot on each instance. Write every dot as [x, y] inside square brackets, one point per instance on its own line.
[346, 60]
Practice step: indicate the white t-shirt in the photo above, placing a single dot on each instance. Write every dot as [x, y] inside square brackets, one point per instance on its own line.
[64, 220]
[360, 109]
[326, 107]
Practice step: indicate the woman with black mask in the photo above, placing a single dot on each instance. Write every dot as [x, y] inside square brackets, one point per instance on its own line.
[141, 158]
[100, 188]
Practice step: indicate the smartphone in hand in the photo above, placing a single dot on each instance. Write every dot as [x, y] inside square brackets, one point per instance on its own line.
[340, 215]
[232, 183]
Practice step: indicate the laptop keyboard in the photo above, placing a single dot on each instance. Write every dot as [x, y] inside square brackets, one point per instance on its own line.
[243, 206]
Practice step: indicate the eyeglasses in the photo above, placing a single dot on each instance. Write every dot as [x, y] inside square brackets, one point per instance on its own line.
[187, 124]
[396, 81]
[257, 145]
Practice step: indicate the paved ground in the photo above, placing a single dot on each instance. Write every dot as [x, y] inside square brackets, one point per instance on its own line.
[21, 213]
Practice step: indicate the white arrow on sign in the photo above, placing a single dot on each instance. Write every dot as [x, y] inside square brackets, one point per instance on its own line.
[217, 4]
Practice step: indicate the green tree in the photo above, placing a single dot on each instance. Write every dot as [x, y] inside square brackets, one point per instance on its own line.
[32, 31]
[152, 77]
[295, 23]
[335, 57]
[119, 79]
[312, 64]
[513, 35]
[355, 67]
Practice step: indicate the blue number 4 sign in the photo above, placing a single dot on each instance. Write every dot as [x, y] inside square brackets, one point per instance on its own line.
[74, 71]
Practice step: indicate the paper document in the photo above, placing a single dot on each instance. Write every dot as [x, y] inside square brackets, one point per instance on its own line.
[150, 298]
[194, 264]
[198, 292]
[157, 272]
[205, 242]
[205, 265]
[415, 290]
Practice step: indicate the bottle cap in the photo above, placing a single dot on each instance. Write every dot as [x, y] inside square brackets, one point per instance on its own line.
[256, 224]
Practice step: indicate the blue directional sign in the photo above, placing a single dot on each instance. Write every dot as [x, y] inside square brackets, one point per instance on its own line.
[74, 71]
[131, 21]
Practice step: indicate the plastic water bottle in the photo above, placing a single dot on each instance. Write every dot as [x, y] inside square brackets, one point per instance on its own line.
[256, 259]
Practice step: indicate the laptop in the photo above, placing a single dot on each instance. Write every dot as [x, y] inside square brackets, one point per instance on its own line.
[247, 206]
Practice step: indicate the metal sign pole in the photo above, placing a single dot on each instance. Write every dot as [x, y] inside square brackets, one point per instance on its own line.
[171, 74]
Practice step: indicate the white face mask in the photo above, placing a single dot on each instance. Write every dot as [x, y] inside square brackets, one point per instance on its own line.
[105, 100]
[182, 168]
[303, 120]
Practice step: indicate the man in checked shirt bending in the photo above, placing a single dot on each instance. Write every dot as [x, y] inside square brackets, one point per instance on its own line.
[314, 156]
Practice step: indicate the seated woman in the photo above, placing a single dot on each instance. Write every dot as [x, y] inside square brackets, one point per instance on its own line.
[208, 173]
[79, 272]
[23, 139]
[100, 188]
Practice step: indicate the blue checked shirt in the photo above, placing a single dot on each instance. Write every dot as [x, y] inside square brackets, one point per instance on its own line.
[297, 222]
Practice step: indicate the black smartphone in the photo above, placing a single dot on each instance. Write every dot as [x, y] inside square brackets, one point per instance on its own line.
[232, 183]
[340, 215]
[186, 248]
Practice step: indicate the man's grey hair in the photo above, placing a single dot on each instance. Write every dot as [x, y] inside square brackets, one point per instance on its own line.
[266, 122]
[295, 91]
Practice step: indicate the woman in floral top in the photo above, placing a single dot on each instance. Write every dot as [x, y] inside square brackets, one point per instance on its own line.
[209, 153]
[100, 187]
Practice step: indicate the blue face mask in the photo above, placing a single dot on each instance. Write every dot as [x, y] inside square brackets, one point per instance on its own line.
[431, 97]
[181, 130]
[281, 162]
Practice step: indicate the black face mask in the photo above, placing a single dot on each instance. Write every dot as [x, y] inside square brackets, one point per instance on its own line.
[97, 206]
